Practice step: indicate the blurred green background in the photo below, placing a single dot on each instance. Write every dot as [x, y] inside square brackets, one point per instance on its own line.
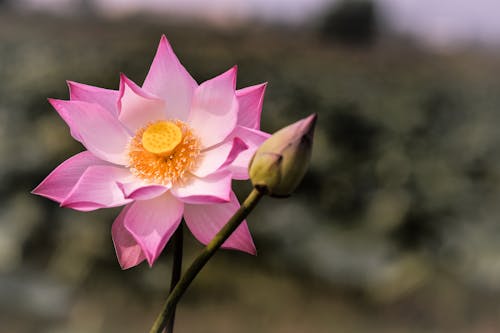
[394, 229]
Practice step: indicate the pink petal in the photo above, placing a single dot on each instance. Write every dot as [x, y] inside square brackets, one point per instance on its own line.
[106, 98]
[137, 107]
[214, 111]
[152, 223]
[239, 146]
[250, 100]
[253, 139]
[221, 155]
[100, 132]
[59, 182]
[128, 252]
[140, 190]
[205, 221]
[65, 114]
[214, 188]
[98, 188]
[170, 81]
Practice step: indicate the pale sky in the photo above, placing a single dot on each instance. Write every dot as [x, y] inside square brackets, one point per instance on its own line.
[278, 10]
[436, 22]
[446, 21]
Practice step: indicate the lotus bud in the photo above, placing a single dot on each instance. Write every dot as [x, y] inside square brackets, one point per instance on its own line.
[280, 163]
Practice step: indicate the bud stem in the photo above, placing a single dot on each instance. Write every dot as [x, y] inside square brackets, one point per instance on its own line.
[200, 261]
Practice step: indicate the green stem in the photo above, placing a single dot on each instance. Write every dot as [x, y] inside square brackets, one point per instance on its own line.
[176, 270]
[199, 262]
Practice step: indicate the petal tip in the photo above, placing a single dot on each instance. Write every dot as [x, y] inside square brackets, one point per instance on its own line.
[124, 80]
[163, 39]
[71, 83]
[37, 191]
[164, 45]
[240, 144]
[150, 260]
[262, 87]
[151, 257]
[251, 250]
[72, 87]
[121, 91]
[248, 247]
[232, 74]
[127, 83]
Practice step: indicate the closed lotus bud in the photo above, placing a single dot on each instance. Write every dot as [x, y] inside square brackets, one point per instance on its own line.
[280, 163]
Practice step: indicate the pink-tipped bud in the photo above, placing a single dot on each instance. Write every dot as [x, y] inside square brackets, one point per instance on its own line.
[280, 163]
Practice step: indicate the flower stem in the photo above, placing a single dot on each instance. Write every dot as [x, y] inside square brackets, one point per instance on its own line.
[176, 270]
[199, 262]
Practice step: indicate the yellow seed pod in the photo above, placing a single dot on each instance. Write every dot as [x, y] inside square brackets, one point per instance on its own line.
[161, 137]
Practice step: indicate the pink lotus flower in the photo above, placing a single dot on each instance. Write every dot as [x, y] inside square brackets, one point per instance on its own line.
[166, 149]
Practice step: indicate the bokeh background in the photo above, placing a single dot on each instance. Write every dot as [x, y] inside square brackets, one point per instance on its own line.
[395, 227]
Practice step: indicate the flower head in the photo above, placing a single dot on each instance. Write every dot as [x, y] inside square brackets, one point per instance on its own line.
[165, 150]
[281, 161]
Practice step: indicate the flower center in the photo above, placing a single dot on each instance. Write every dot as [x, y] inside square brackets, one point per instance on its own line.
[161, 138]
[163, 152]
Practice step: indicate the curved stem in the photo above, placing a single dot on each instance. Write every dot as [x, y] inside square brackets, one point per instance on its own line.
[176, 270]
[199, 262]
